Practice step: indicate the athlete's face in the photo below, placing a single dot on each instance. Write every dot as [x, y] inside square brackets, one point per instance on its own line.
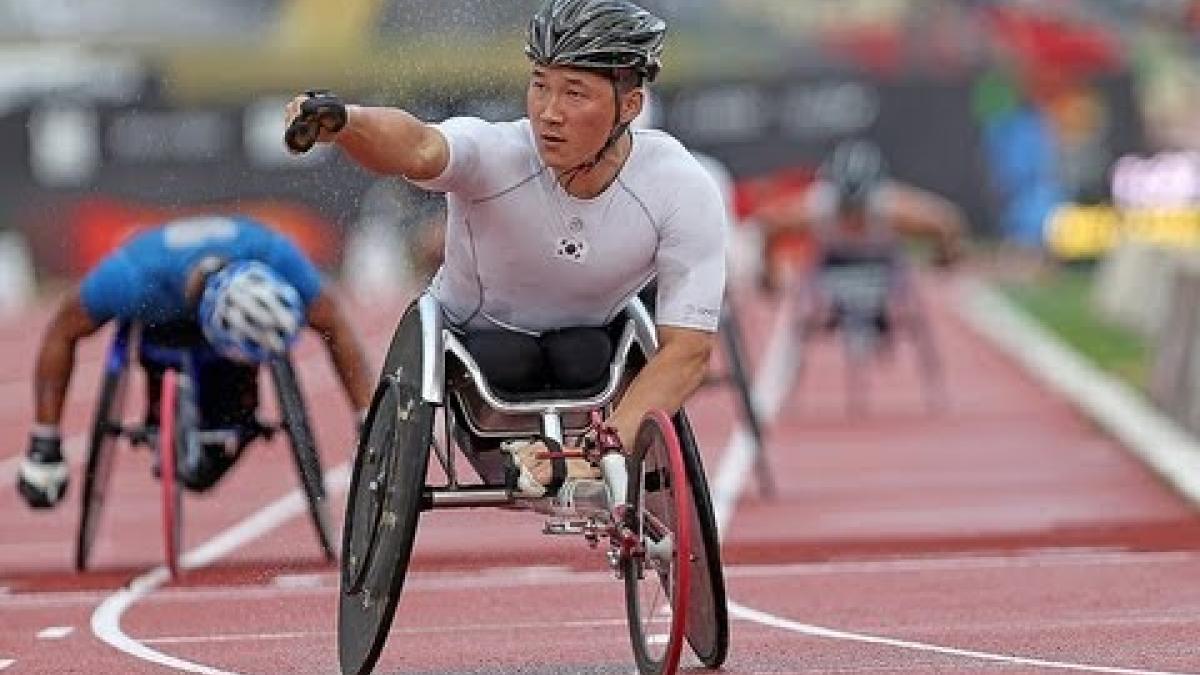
[572, 112]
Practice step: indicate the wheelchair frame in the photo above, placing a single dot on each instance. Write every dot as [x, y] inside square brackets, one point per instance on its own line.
[178, 402]
[382, 512]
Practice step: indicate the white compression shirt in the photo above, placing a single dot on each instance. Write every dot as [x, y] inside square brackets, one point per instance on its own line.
[523, 254]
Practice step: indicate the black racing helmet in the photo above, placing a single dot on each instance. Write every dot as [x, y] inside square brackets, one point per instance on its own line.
[597, 35]
[855, 168]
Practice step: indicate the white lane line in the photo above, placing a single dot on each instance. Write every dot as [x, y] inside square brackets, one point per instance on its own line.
[1146, 431]
[301, 580]
[422, 630]
[238, 637]
[1021, 560]
[106, 619]
[834, 634]
[772, 383]
[106, 624]
[55, 632]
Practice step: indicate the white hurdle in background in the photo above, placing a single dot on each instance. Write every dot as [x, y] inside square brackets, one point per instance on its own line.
[17, 280]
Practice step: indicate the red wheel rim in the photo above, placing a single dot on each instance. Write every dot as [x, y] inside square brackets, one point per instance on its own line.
[167, 470]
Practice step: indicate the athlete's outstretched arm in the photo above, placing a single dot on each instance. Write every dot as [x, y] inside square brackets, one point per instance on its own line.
[387, 140]
[345, 350]
[56, 358]
[668, 379]
[916, 212]
[790, 214]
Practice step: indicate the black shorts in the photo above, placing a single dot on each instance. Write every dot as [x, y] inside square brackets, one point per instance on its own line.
[568, 359]
[226, 391]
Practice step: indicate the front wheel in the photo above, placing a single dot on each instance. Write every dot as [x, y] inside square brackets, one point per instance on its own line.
[304, 449]
[102, 444]
[657, 571]
[381, 520]
[708, 612]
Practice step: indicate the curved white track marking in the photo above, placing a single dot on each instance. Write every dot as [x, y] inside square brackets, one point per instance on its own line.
[833, 634]
[106, 619]
[1140, 427]
[106, 624]
[774, 379]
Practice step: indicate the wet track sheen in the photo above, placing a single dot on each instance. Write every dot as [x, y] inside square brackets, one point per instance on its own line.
[1002, 533]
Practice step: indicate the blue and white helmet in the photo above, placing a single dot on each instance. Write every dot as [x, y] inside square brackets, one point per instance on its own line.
[248, 313]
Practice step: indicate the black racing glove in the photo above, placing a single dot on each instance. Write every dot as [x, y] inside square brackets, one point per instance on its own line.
[43, 477]
[321, 111]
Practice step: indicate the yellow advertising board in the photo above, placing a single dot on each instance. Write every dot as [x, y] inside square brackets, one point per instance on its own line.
[1075, 232]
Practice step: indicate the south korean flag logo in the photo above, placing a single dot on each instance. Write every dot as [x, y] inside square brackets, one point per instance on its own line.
[571, 249]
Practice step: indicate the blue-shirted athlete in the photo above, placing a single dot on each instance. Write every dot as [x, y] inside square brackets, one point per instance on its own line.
[238, 290]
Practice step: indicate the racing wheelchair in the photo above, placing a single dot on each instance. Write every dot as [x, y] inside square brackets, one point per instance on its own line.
[175, 433]
[869, 299]
[653, 517]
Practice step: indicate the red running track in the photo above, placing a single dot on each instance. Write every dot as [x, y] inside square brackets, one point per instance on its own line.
[1002, 534]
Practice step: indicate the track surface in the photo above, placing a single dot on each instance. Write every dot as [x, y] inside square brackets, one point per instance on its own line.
[1003, 533]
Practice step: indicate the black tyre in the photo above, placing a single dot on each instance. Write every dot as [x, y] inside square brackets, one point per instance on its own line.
[658, 574]
[304, 449]
[385, 499]
[708, 614]
[102, 444]
[738, 372]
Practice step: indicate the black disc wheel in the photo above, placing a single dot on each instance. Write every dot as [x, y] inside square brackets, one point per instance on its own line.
[708, 613]
[657, 571]
[385, 499]
[294, 416]
[102, 444]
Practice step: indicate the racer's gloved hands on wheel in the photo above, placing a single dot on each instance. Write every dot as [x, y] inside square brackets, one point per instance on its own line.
[313, 118]
[43, 477]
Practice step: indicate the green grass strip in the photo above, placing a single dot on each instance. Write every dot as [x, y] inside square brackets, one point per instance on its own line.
[1062, 303]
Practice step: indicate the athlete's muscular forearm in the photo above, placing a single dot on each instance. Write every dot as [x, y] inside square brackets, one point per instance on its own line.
[345, 352]
[56, 359]
[670, 377]
[391, 141]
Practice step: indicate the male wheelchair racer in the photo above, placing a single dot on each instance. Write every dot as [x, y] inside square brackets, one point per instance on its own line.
[654, 517]
[868, 298]
[205, 411]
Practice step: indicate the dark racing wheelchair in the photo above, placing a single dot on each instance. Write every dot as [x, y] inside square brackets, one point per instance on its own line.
[653, 517]
[198, 422]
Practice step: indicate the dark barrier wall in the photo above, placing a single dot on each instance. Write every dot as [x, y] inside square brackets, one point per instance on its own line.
[925, 129]
[81, 165]
[156, 155]
[928, 130]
